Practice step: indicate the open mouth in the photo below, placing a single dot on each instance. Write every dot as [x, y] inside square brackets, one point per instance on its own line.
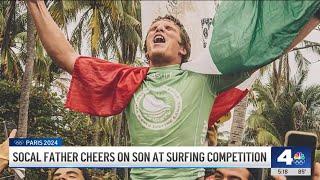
[159, 39]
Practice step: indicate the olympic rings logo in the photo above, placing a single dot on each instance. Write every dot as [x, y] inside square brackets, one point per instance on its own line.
[299, 161]
[18, 142]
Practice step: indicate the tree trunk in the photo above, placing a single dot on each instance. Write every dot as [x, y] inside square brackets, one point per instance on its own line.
[119, 127]
[26, 82]
[238, 123]
[27, 79]
[96, 129]
[126, 132]
[118, 134]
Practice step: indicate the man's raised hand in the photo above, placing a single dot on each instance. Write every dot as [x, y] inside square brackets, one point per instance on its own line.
[52, 38]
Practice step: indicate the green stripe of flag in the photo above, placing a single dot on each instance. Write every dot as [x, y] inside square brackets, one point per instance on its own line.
[251, 34]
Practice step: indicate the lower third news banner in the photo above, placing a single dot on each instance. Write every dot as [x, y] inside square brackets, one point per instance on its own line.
[55, 155]
[291, 161]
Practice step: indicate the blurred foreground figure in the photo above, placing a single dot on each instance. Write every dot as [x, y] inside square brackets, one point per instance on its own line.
[4, 151]
[235, 174]
[70, 174]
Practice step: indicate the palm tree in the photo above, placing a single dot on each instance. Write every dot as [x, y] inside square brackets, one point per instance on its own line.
[112, 28]
[12, 35]
[281, 76]
[293, 108]
[18, 57]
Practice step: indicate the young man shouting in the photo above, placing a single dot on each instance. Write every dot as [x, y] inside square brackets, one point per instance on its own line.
[170, 108]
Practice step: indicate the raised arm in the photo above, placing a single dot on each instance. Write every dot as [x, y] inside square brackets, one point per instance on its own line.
[312, 23]
[52, 38]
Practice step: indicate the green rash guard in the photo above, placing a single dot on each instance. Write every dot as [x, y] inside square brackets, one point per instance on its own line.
[172, 108]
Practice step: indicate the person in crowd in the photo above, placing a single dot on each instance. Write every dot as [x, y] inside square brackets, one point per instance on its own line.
[70, 174]
[4, 151]
[235, 174]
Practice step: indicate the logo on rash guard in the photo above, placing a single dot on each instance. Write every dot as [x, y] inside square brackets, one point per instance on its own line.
[158, 108]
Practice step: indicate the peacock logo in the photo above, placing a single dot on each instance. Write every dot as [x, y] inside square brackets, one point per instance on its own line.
[298, 158]
[158, 108]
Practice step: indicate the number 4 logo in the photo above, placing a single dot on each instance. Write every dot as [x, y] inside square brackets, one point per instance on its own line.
[285, 156]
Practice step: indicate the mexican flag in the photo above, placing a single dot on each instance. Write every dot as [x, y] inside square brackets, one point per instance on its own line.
[233, 36]
[227, 37]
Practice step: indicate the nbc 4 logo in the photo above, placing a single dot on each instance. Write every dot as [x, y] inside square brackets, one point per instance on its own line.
[286, 157]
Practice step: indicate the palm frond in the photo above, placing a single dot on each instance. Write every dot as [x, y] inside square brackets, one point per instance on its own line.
[315, 46]
[302, 62]
[266, 138]
[77, 34]
[9, 24]
[264, 94]
[95, 24]
[256, 121]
